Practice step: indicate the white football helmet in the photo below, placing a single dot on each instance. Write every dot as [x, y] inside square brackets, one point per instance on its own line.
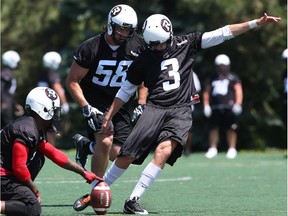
[11, 59]
[52, 60]
[157, 29]
[222, 60]
[45, 102]
[285, 54]
[123, 16]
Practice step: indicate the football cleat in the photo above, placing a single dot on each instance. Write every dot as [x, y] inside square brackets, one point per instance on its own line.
[82, 203]
[231, 153]
[211, 153]
[81, 156]
[132, 206]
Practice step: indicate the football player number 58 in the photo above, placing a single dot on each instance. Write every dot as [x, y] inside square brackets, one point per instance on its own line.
[104, 75]
[172, 72]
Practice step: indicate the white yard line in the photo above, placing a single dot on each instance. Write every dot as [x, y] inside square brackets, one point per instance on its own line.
[184, 178]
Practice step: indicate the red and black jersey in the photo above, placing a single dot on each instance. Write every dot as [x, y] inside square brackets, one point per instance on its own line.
[169, 75]
[23, 130]
[107, 68]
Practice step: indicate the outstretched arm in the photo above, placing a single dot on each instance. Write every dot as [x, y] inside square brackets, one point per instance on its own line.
[227, 32]
[237, 29]
[62, 160]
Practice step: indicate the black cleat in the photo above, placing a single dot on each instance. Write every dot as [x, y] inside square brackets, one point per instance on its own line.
[82, 203]
[132, 206]
[81, 156]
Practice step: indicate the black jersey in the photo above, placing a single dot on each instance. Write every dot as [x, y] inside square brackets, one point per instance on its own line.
[107, 68]
[24, 130]
[222, 90]
[168, 76]
[48, 77]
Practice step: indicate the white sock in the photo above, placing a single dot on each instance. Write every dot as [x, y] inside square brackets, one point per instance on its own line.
[94, 183]
[149, 174]
[113, 174]
[91, 146]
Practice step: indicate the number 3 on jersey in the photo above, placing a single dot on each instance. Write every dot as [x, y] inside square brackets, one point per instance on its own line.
[106, 77]
[173, 72]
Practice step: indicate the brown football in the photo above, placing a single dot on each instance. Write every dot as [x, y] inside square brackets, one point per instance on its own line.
[101, 198]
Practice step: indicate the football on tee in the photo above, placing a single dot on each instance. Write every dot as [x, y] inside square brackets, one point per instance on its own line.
[101, 198]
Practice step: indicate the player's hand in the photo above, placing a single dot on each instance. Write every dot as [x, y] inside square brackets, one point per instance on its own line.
[237, 109]
[107, 126]
[38, 197]
[207, 111]
[267, 19]
[90, 114]
[89, 177]
[137, 113]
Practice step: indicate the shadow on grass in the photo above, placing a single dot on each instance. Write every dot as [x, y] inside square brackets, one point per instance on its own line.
[53, 206]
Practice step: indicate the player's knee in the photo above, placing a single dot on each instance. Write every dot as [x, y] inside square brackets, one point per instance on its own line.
[106, 143]
[165, 148]
[35, 210]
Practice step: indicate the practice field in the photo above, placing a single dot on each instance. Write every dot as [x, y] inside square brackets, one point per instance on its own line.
[253, 184]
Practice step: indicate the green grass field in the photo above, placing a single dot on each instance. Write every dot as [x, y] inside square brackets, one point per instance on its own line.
[253, 184]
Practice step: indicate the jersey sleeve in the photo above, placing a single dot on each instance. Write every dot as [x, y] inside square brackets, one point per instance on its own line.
[135, 46]
[57, 156]
[19, 158]
[86, 51]
[26, 135]
[235, 78]
[194, 39]
[135, 72]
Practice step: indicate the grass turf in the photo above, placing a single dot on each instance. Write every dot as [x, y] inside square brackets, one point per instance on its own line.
[255, 183]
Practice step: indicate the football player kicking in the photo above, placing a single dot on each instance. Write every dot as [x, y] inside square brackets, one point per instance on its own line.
[165, 69]
[23, 147]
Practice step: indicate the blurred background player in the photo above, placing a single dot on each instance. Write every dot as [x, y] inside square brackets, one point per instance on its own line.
[285, 85]
[222, 101]
[10, 61]
[23, 147]
[188, 146]
[49, 77]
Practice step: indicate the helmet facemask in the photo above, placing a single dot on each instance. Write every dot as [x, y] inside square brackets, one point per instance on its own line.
[118, 37]
[56, 120]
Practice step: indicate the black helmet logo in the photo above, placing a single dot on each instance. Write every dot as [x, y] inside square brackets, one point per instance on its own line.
[115, 11]
[166, 25]
[51, 94]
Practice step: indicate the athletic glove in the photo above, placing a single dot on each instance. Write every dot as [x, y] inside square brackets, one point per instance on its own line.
[237, 109]
[137, 113]
[90, 113]
[89, 177]
[207, 111]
